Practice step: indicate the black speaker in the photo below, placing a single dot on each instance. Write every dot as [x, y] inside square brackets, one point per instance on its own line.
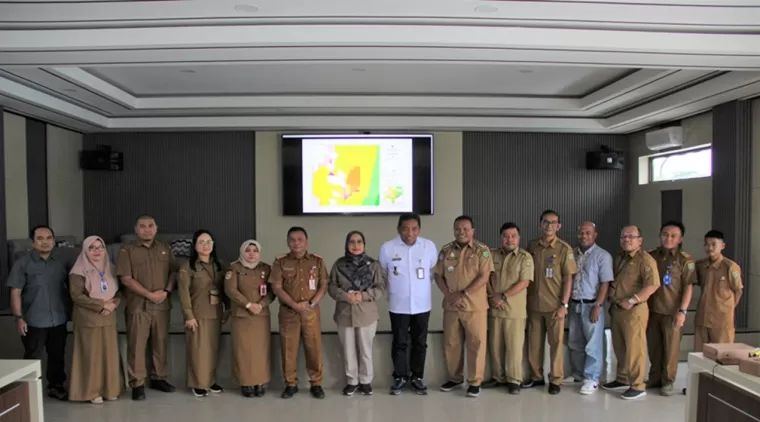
[102, 160]
[605, 160]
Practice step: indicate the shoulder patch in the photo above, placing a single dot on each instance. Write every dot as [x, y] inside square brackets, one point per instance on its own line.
[228, 275]
[486, 254]
[570, 256]
[735, 274]
[690, 265]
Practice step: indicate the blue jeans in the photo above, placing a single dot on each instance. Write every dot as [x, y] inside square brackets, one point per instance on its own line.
[585, 341]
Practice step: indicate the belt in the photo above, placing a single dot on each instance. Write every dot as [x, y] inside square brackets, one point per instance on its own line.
[587, 301]
[620, 307]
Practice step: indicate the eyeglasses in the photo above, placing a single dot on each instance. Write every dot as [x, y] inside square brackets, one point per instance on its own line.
[96, 248]
[629, 236]
[549, 223]
[206, 242]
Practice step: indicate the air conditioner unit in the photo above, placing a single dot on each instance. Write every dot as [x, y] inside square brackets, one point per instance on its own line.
[669, 137]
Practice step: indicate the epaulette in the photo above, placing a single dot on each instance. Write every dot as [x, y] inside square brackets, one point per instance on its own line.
[235, 261]
[317, 256]
[651, 251]
[282, 256]
[686, 255]
[448, 245]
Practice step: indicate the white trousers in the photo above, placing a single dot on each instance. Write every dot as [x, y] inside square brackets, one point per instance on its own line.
[357, 352]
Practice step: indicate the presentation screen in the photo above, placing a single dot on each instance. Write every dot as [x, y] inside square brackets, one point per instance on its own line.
[357, 174]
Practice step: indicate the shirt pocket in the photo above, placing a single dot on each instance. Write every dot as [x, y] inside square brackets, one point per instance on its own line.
[724, 291]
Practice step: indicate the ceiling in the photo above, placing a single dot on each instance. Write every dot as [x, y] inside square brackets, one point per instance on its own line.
[560, 66]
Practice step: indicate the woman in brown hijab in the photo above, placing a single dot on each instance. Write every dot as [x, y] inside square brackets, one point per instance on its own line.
[95, 365]
[200, 294]
[250, 293]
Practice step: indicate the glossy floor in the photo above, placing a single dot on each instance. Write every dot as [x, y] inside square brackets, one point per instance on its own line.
[531, 405]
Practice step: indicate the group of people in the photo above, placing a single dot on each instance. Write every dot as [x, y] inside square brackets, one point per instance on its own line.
[491, 298]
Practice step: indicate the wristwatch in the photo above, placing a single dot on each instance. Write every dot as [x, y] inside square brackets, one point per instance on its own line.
[248, 305]
[683, 311]
[18, 317]
[504, 297]
[168, 292]
[311, 304]
[632, 301]
[564, 305]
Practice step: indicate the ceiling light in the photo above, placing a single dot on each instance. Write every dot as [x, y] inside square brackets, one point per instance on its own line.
[187, 71]
[246, 8]
[486, 9]
[358, 69]
[526, 71]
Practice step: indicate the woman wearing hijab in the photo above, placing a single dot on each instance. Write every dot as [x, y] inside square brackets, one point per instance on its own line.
[356, 283]
[93, 287]
[200, 290]
[246, 284]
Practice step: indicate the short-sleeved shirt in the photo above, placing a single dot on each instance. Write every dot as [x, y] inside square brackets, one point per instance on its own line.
[460, 265]
[553, 261]
[410, 278]
[633, 271]
[151, 266]
[296, 275]
[510, 268]
[676, 266]
[721, 282]
[594, 268]
[44, 290]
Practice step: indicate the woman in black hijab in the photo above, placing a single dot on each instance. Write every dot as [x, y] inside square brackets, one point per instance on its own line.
[356, 282]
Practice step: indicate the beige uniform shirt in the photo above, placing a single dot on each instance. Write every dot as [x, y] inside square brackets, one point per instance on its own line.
[245, 285]
[200, 291]
[720, 282]
[553, 261]
[300, 278]
[510, 268]
[152, 267]
[459, 266]
[677, 268]
[633, 272]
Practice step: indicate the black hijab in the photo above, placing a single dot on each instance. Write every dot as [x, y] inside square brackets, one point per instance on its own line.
[356, 268]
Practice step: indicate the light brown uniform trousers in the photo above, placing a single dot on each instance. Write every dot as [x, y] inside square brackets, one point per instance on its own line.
[251, 333]
[200, 294]
[300, 278]
[460, 266]
[553, 262]
[153, 268]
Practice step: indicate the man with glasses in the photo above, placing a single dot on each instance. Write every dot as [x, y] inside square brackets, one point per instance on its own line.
[667, 307]
[636, 279]
[548, 298]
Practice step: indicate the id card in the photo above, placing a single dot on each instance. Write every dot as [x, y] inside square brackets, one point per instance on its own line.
[262, 290]
[103, 286]
[312, 284]
[666, 279]
[420, 273]
[550, 272]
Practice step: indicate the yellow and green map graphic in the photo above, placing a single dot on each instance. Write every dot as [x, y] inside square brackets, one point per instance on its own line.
[349, 175]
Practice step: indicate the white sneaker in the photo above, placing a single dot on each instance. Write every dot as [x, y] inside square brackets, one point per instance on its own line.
[589, 387]
[572, 379]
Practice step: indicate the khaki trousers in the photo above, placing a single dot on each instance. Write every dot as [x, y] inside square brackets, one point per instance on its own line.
[720, 334]
[540, 326]
[629, 342]
[506, 336]
[357, 352]
[468, 329]
[141, 327]
[295, 327]
[664, 344]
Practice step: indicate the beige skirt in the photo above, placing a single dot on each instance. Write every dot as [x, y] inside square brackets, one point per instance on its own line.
[203, 353]
[95, 366]
[251, 356]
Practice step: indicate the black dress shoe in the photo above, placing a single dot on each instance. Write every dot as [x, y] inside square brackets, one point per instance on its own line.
[162, 385]
[247, 391]
[365, 389]
[533, 383]
[58, 392]
[317, 392]
[513, 388]
[554, 389]
[289, 391]
[258, 390]
[138, 393]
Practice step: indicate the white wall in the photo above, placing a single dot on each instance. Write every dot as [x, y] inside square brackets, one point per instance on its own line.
[327, 234]
[17, 201]
[645, 204]
[65, 182]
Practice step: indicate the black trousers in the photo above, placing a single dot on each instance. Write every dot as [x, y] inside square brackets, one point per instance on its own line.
[38, 341]
[409, 329]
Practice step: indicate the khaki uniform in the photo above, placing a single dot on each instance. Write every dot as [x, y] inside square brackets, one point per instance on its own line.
[251, 333]
[663, 339]
[553, 262]
[506, 327]
[721, 283]
[633, 272]
[300, 278]
[152, 267]
[95, 369]
[200, 294]
[460, 266]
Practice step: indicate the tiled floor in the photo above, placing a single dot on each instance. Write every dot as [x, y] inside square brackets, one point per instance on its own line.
[530, 406]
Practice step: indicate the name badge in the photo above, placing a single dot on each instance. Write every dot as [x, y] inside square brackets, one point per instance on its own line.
[103, 286]
[262, 290]
[420, 273]
[550, 272]
[312, 283]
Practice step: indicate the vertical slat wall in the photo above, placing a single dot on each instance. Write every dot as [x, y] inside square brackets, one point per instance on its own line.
[732, 187]
[36, 172]
[515, 176]
[186, 181]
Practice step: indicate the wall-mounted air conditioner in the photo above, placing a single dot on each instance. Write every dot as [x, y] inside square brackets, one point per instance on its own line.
[669, 137]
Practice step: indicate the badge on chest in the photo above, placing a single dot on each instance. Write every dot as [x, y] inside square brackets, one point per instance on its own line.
[313, 278]
[550, 267]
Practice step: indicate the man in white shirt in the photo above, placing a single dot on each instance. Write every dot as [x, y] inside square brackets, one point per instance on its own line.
[408, 261]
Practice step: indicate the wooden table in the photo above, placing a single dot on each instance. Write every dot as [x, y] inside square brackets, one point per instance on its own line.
[720, 393]
[21, 391]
